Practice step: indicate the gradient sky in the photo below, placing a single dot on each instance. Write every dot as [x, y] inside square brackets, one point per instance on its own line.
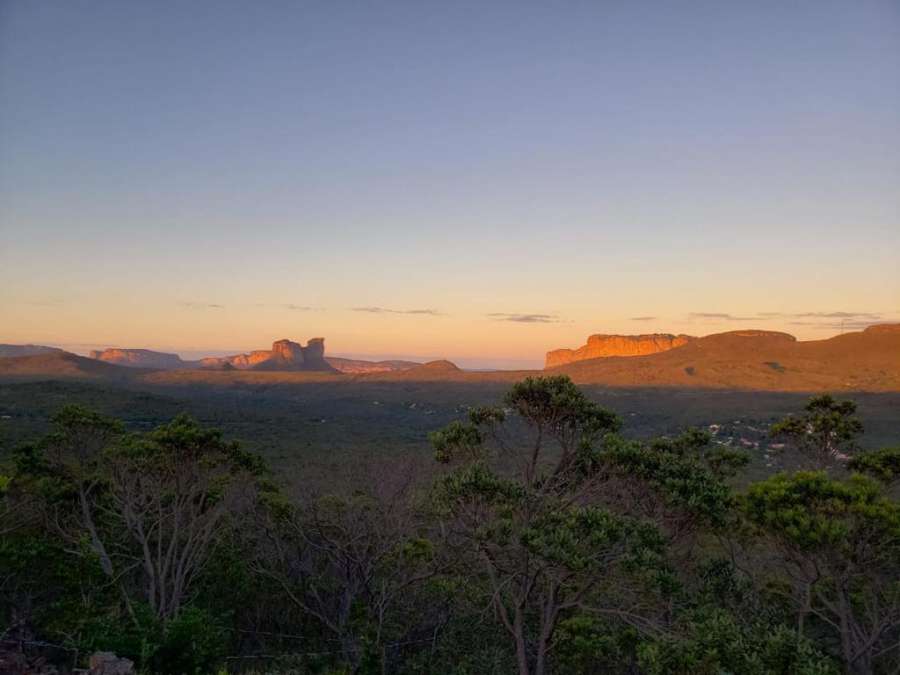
[480, 181]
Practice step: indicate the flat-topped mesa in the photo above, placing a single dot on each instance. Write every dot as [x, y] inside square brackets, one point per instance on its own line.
[284, 355]
[138, 358]
[601, 346]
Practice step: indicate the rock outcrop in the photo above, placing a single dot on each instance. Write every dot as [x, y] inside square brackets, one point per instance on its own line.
[600, 346]
[139, 358]
[284, 355]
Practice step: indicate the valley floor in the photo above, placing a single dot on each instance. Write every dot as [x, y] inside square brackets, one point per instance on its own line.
[317, 426]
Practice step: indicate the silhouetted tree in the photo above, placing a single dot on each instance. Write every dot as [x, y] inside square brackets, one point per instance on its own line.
[824, 433]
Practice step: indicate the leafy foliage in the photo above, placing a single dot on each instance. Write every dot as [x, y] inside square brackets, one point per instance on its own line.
[546, 543]
[824, 432]
[839, 544]
[883, 464]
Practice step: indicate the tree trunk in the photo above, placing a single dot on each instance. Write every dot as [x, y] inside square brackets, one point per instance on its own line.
[96, 543]
[521, 645]
[541, 661]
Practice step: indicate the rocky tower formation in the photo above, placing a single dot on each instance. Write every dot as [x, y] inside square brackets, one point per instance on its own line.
[314, 353]
[600, 346]
[284, 355]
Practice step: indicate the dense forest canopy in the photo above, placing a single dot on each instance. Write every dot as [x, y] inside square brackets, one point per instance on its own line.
[543, 541]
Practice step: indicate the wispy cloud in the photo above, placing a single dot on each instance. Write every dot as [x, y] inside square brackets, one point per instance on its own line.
[723, 316]
[837, 325]
[524, 318]
[643, 318]
[838, 315]
[289, 305]
[201, 305]
[821, 315]
[386, 310]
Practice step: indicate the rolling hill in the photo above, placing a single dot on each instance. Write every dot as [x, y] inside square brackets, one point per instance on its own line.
[747, 360]
[63, 365]
[764, 360]
[10, 351]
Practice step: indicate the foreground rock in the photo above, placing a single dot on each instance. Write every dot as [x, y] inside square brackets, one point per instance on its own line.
[602, 346]
[107, 663]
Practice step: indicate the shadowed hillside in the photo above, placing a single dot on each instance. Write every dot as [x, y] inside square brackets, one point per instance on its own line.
[59, 364]
[10, 351]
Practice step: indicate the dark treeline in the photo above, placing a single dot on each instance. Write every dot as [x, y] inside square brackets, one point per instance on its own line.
[541, 542]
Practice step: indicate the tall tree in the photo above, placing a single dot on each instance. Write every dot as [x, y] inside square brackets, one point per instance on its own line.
[837, 544]
[824, 433]
[175, 492]
[150, 507]
[520, 508]
[351, 561]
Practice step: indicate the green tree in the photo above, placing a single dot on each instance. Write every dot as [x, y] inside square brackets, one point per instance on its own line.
[836, 546]
[174, 494]
[352, 562]
[677, 483]
[824, 433]
[66, 469]
[519, 509]
[141, 515]
[883, 465]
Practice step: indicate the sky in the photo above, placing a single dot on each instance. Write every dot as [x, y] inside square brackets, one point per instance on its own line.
[468, 180]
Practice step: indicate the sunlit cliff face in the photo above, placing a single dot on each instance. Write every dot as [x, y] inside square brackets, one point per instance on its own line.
[599, 346]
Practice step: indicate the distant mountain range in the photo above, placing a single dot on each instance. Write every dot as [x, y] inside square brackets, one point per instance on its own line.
[284, 356]
[9, 351]
[750, 359]
[757, 359]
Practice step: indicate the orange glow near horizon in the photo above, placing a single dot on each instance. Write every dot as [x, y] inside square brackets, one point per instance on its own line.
[510, 340]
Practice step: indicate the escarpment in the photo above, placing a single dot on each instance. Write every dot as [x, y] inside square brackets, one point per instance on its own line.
[600, 346]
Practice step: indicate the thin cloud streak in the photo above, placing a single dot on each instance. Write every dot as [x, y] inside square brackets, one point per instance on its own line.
[201, 305]
[838, 325]
[291, 306]
[838, 315]
[643, 318]
[724, 316]
[524, 318]
[386, 310]
[821, 315]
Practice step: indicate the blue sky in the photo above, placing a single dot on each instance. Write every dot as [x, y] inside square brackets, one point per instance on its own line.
[216, 175]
